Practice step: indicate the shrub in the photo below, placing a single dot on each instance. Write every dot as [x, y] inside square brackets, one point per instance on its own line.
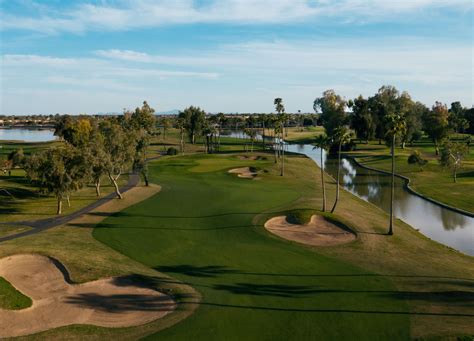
[172, 151]
[416, 159]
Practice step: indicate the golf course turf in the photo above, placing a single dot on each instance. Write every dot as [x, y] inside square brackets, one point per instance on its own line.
[205, 228]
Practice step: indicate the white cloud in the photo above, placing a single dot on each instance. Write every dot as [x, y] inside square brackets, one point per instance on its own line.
[132, 14]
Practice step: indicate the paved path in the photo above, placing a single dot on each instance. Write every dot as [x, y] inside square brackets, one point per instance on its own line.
[45, 224]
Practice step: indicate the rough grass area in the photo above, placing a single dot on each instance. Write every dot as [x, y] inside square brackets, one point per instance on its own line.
[300, 217]
[12, 299]
[6, 230]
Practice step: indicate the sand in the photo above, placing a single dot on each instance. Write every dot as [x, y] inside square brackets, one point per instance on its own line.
[110, 302]
[318, 232]
[243, 172]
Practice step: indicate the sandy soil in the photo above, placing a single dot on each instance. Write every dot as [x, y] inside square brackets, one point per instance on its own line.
[111, 302]
[243, 172]
[318, 232]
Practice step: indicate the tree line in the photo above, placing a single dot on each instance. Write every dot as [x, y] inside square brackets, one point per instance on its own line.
[93, 150]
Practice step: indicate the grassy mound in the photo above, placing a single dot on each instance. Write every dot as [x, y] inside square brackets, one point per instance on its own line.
[12, 299]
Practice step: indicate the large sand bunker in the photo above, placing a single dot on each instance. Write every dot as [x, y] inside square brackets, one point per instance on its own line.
[318, 232]
[243, 172]
[110, 302]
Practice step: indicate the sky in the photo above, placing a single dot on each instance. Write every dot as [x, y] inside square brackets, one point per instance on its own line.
[229, 55]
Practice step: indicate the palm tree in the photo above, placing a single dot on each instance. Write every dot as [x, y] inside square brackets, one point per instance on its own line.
[396, 126]
[322, 142]
[342, 136]
[280, 108]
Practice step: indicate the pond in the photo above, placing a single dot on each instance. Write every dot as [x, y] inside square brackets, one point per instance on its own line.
[436, 222]
[26, 135]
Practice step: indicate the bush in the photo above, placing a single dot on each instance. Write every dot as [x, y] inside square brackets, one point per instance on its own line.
[416, 159]
[172, 151]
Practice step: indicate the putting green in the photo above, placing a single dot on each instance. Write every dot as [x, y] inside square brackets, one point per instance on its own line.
[202, 229]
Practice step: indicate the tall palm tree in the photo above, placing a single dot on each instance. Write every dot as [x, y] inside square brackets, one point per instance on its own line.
[396, 126]
[280, 108]
[322, 142]
[342, 136]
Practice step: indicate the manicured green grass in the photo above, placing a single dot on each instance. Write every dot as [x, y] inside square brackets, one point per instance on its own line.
[205, 228]
[307, 135]
[12, 299]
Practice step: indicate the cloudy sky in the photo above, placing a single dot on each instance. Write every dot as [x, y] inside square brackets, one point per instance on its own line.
[232, 56]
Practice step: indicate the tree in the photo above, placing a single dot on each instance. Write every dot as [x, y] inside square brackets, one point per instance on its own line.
[436, 124]
[180, 124]
[341, 136]
[252, 134]
[396, 127]
[59, 171]
[332, 108]
[194, 119]
[414, 120]
[280, 108]
[362, 120]
[322, 142]
[143, 122]
[165, 124]
[119, 147]
[452, 156]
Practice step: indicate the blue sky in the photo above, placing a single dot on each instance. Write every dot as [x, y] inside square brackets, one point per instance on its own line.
[231, 56]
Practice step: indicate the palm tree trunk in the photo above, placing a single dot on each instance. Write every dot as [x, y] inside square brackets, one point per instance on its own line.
[282, 155]
[337, 180]
[322, 182]
[68, 201]
[392, 187]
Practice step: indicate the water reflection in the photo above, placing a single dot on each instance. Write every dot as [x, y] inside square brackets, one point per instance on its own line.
[27, 135]
[440, 224]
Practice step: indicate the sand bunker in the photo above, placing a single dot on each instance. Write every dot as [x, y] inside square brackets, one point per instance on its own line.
[111, 302]
[253, 157]
[243, 172]
[318, 232]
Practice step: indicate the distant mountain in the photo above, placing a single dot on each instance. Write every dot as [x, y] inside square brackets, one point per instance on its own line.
[169, 112]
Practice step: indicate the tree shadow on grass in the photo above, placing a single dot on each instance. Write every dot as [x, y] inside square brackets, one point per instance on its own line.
[275, 290]
[215, 270]
[122, 302]
[197, 271]
[174, 228]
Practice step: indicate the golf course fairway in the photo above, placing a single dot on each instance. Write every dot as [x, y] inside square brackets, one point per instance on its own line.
[201, 230]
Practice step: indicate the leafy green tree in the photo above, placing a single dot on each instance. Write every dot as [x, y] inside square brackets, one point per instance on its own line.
[332, 108]
[143, 123]
[341, 136]
[436, 124]
[59, 171]
[414, 120]
[194, 118]
[396, 127]
[165, 125]
[119, 148]
[323, 143]
[16, 157]
[362, 120]
[452, 156]
[180, 124]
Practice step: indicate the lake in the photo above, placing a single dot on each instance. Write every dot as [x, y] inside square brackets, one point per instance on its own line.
[26, 135]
